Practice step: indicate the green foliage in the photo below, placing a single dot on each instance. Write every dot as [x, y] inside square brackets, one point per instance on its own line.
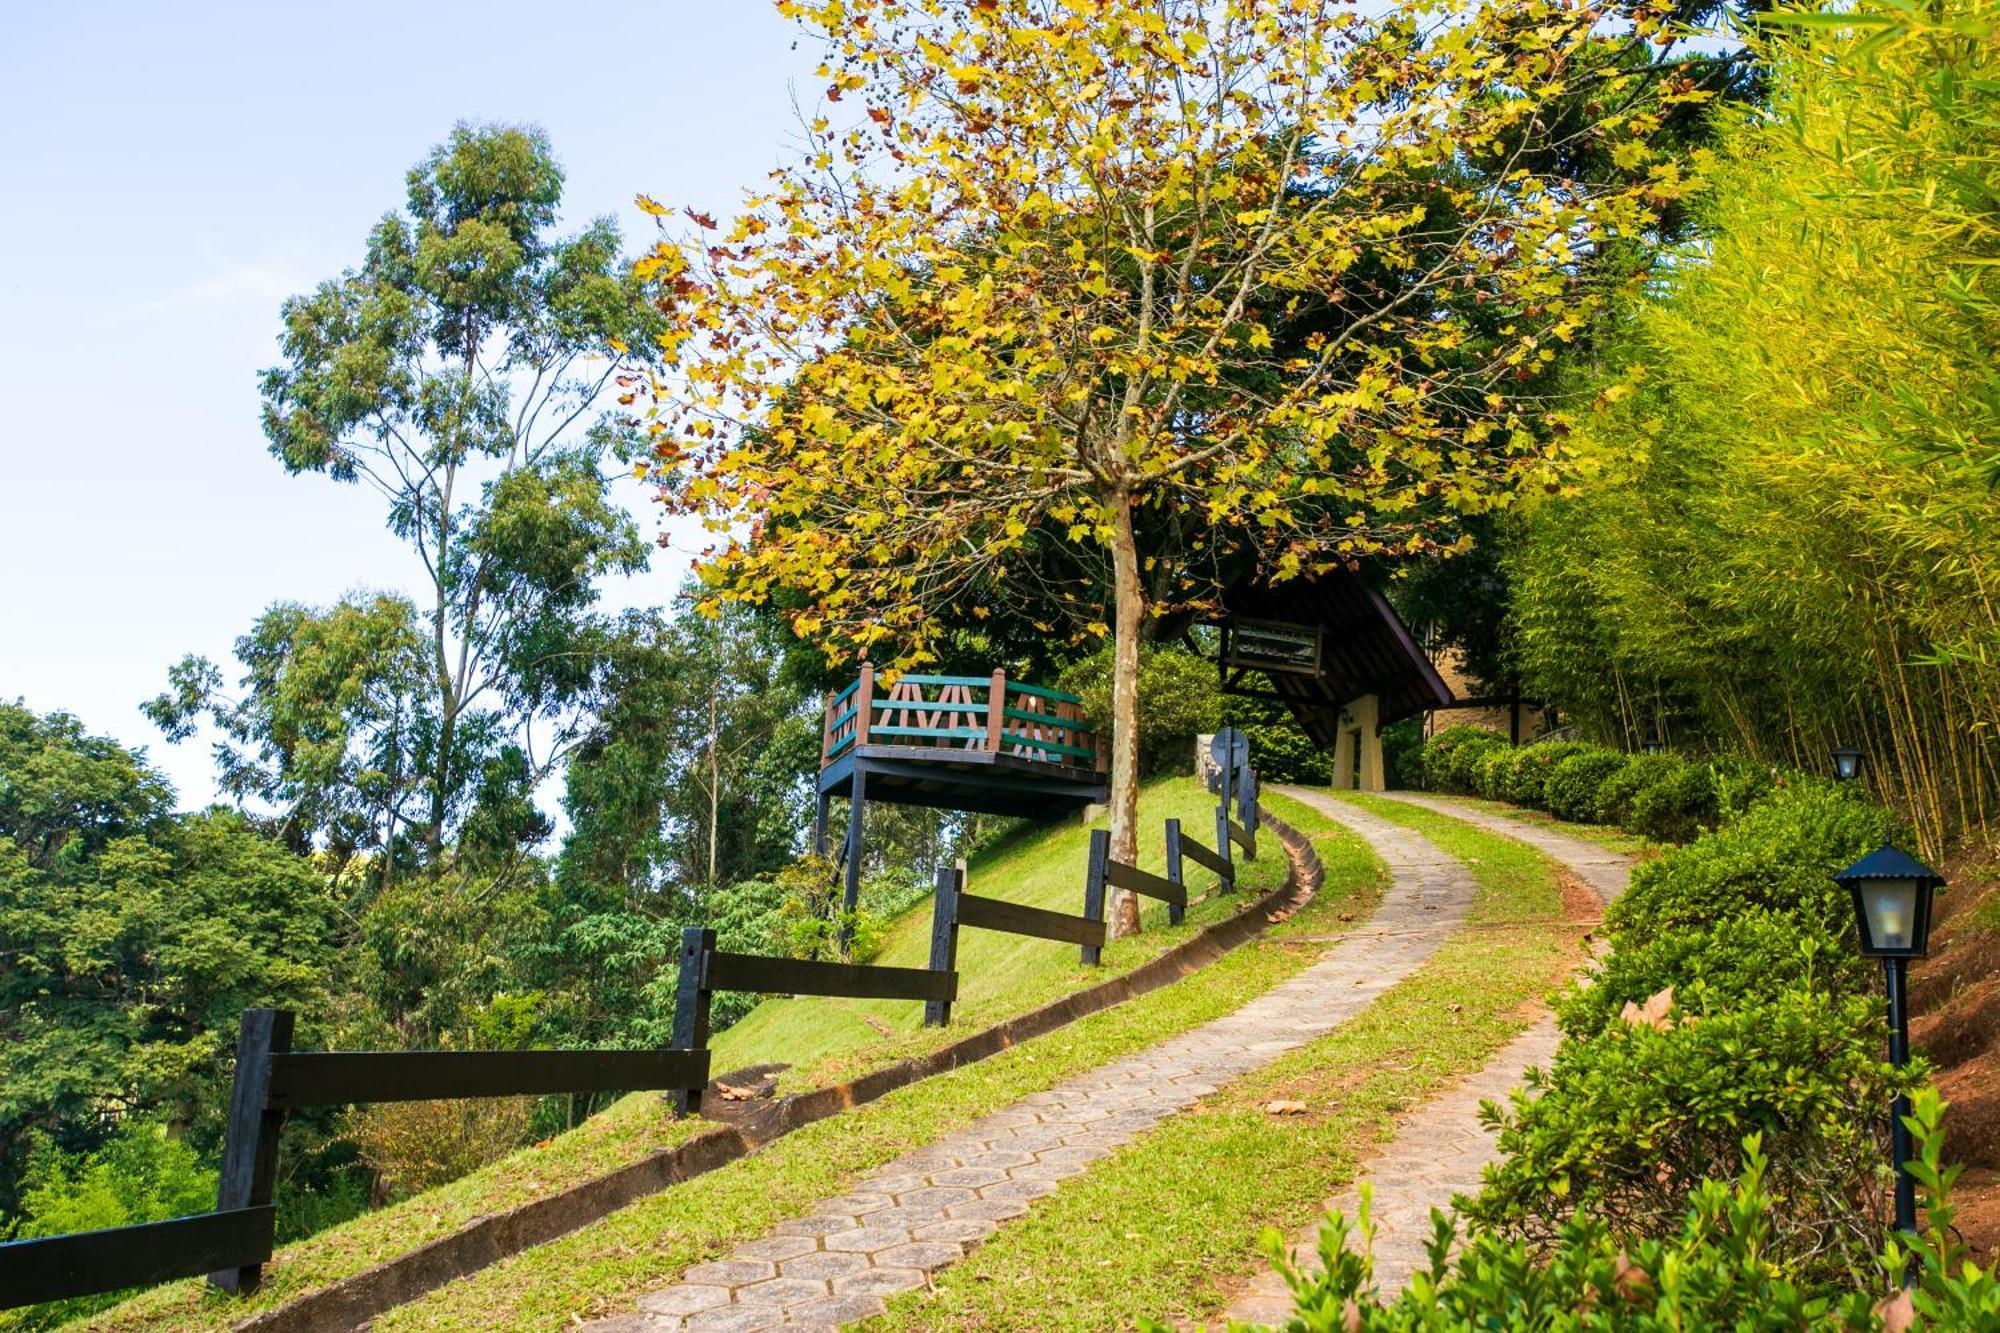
[134, 940]
[1717, 1265]
[1732, 1001]
[1712, 1267]
[1632, 1122]
[1178, 700]
[138, 1173]
[1789, 504]
[1622, 787]
[1572, 785]
[1446, 759]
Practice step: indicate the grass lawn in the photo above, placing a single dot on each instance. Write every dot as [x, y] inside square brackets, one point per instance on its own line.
[1001, 976]
[1168, 1225]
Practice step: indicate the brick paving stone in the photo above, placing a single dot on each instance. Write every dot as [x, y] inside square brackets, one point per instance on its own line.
[1440, 1150]
[1024, 1150]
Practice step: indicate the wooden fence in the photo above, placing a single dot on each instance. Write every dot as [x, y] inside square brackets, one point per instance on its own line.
[706, 969]
[232, 1244]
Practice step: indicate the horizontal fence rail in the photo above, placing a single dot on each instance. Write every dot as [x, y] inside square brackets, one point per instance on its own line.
[232, 1244]
[972, 713]
[706, 969]
[53, 1268]
[334, 1078]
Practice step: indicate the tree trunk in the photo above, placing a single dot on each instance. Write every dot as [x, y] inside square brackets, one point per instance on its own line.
[1128, 620]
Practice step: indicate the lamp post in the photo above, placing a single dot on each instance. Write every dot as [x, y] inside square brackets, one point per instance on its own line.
[1846, 763]
[1892, 910]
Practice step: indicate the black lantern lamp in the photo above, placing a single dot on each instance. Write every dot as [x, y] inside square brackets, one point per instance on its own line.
[1892, 903]
[1654, 746]
[1892, 909]
[1846, 763]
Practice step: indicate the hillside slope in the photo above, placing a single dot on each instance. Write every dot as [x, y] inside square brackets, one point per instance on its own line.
[825, 1039]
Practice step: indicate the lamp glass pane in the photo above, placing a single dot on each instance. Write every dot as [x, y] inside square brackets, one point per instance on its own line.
[1891, 908]
[1847, 765]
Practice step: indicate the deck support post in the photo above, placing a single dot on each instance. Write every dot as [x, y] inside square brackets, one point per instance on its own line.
[823, 807]
[857, 807]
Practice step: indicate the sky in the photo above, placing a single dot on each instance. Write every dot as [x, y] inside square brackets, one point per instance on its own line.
[169, 175]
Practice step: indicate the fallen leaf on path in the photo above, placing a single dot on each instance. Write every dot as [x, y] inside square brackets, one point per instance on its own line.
[1284, 1107]
[879, 1025]
[729, 1092]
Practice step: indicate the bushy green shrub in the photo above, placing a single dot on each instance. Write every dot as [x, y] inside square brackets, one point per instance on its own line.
[1629, 1124]
[1717, 1265]
[1676, 805]
[1446, 758]
[1571, 789]
[1495, 772]
[1527, 783]
[1178, 700]
[1761, 1019]
[1614, 797]
[1780, 855]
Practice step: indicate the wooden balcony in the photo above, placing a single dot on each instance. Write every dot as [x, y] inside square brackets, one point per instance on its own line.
[981, 743]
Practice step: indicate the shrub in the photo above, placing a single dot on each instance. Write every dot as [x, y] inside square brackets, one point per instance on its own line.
[1629, 1124]
[1614, 798]
[1780, 855]
[1716, 1265]
[1526, 784]
[1495, 772]
[1178, 700]
[1443, 759]
[1572, 786]
[1677, 805]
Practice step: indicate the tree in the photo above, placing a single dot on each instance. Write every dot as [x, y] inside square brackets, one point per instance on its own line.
[459, 371]
[131, 940]
[1028, 296]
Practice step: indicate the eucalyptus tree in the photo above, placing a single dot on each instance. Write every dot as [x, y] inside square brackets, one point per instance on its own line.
[462, 372]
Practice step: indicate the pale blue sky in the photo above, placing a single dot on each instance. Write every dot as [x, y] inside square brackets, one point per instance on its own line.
[168, 175]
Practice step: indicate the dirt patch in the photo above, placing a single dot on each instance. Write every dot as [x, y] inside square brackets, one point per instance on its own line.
[1580, 902]
[1955, 1022]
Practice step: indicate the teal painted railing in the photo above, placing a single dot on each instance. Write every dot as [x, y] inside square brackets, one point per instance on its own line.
[964, 713]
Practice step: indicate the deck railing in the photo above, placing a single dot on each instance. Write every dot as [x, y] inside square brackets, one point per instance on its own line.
[973, 713]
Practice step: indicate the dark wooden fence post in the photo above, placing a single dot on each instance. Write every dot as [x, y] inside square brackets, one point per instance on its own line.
[250, 1140]
[1224, 845]
[691, 999]
[944, 937]
[1093, 887]
[1175, 911]
[1246, 806]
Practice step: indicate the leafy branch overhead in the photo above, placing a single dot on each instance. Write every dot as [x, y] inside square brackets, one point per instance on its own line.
[1276, 269]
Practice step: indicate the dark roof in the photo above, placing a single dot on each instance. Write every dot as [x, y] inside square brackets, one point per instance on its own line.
[1887, 862]
[1364, 649]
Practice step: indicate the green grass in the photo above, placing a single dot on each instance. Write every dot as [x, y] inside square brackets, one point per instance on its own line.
[1167, 1226]
[1002, 976]
[999, 975]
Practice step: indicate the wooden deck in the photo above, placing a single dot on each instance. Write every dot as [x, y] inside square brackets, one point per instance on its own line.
[981, 743]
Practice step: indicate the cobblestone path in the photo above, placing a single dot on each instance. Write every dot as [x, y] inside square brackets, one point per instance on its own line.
[1439, 1149]
[924, 1210]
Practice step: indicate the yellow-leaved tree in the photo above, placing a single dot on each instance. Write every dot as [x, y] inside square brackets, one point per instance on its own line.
[1135, 278]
